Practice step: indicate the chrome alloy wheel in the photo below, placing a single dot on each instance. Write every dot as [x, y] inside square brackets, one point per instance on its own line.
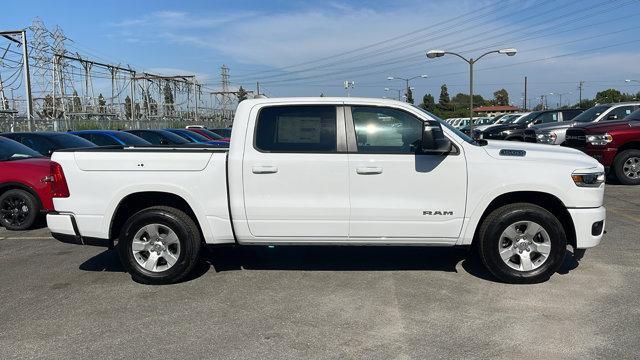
[524, 246]
[631, 168]
[156, 247]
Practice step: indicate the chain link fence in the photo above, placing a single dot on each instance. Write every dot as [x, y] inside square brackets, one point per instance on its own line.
[9, 123]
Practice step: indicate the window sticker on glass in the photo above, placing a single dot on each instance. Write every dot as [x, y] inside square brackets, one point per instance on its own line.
[296, 129]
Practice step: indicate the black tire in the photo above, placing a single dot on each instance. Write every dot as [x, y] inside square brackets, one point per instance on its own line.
[19, 209]
[498, 220]
[619, 166]
[184, 228]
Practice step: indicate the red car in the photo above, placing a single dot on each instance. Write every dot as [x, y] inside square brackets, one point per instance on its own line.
[28, 181]
[208, 134]
[616, 144]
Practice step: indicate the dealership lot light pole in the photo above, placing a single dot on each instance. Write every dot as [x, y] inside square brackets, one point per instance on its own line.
[432, 54]
[406, 80]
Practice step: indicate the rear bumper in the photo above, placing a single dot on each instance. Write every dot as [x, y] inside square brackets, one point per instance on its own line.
[589, 225]
[63, 228]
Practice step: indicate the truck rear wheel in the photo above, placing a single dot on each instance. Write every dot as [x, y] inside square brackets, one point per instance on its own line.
[159, 245]
[626, 166]
[522, 243]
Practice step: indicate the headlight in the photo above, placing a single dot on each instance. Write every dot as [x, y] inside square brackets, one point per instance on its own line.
[547, 138]
[599, 139]
[589, 179]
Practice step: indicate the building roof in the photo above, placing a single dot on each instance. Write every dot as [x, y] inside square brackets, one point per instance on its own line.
[496, 108]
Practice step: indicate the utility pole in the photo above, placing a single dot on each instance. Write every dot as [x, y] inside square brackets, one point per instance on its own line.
[580, 97]
[257, 88]
[525, 93]
[25, 68]
[27, 78]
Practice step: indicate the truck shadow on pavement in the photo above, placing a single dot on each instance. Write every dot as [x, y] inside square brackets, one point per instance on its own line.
[327, 258]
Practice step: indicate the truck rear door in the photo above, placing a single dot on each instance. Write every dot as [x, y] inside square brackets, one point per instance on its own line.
[295, 173]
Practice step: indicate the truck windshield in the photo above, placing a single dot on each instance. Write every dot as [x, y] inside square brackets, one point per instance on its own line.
[460, 134]
[591, 114]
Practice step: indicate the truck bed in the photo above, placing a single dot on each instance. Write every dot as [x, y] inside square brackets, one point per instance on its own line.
[100, 179]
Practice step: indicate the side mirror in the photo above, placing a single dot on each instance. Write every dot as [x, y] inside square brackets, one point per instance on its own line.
[433, 139]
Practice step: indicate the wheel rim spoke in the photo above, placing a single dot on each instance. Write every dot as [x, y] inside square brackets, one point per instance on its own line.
[152, 230]
[511, 233]
[525, 262]
[532, 229]
[138, 245]
[543, 248]
[169, 258]
[506, 253]
[170, 238]
[152, 261]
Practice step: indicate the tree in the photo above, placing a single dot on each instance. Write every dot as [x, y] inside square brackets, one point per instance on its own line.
[168, 99]
[462, 100]
[444, 95]
[428, 102]
[241, 94]
[409, 95]
[501, 97]
[101, 104]
[127, 107]
[609, 96]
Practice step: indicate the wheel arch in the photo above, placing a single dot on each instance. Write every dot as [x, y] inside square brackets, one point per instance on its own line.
[545, 200]
[4, 187]
[635, 145]
[134, 202]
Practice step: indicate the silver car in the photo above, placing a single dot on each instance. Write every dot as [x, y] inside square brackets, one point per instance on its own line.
[554, 133]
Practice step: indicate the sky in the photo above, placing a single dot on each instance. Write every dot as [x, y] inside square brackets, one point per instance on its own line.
[308, 48]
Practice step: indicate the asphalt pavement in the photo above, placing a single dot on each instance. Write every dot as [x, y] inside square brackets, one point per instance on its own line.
[60, 301]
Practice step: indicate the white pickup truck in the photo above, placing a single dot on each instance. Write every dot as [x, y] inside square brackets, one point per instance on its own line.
[340, 171]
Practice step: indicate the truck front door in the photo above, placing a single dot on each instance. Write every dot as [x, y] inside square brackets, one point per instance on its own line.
[394, 192]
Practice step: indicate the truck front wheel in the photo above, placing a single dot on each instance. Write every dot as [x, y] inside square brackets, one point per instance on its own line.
[522, 243]
[626, 166]
[159, 245]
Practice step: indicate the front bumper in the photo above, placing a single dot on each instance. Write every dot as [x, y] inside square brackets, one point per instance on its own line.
[64, 228]
[589, 225]
[603, 154]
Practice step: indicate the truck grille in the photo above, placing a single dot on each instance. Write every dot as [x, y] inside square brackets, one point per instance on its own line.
[576, 139]
[530, 135]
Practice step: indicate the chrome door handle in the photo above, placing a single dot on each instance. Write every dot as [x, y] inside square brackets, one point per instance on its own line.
[369, 170]
[264, 169]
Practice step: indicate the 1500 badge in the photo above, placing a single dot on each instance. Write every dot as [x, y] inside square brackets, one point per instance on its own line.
[438, 212]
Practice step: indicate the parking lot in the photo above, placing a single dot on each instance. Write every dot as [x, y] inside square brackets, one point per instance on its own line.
[62, 300]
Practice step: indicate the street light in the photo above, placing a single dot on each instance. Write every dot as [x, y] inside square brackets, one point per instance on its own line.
[560, 96]
[398, 90]
[406, 80]
[432, 54]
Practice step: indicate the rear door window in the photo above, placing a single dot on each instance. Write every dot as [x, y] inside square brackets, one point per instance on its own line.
[304, 129]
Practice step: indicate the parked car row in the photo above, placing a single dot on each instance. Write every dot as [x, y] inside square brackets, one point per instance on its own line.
[610, 133]
[28, 179]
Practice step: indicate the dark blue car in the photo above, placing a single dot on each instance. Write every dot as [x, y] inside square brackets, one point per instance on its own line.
[194, 137]
[110, 137]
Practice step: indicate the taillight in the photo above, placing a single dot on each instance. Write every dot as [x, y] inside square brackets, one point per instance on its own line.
[59, 188]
